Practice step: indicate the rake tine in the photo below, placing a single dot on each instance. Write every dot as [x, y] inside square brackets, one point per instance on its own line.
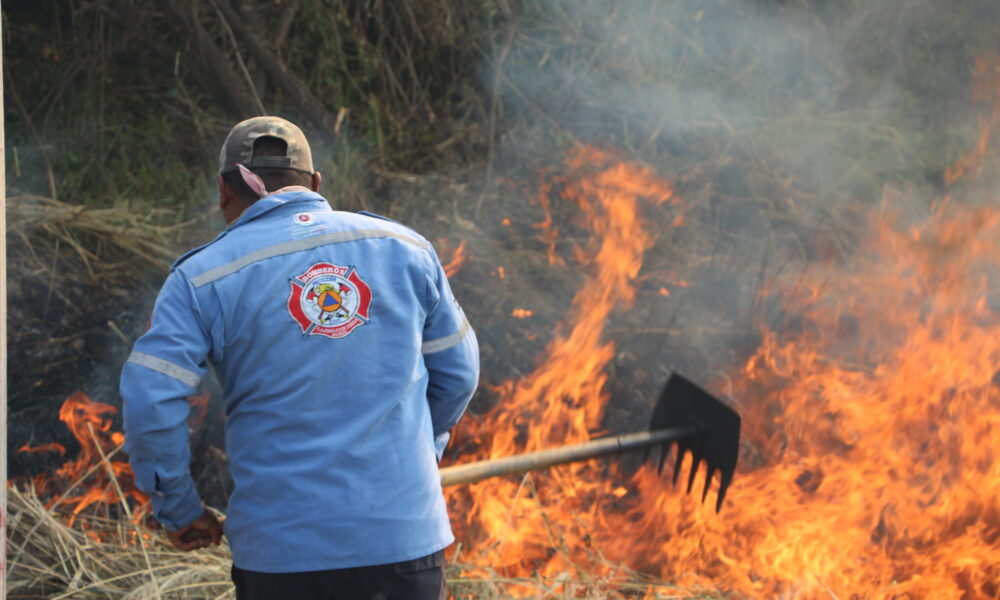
[664, 450]
[708, 481]
[695, 462]
[724, 482]
[677, 463]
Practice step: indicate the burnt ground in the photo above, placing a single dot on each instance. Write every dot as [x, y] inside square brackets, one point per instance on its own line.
[61, 340]
[75, 303]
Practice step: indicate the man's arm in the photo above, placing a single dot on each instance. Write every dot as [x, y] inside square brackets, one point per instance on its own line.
[451, 355]
[165, 367]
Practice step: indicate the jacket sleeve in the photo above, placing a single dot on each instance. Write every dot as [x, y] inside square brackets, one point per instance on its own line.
[451, 355]
[165, 367]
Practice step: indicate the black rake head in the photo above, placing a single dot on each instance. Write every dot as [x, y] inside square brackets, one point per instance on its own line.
[714, 437]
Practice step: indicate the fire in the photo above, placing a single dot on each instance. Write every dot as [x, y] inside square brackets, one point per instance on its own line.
[51, 447]
[85, 480]
[987, 93]
[510, 523]
[872, 423]
[457, 259]
[875, 423]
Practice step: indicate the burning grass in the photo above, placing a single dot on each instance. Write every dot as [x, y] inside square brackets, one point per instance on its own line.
[102, 558]
[77, 274]
[105, 558]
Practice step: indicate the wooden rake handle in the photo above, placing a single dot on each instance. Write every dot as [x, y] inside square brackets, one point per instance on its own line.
[533, 461]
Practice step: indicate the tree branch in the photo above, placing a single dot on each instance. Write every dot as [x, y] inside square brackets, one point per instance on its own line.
[313, 110]
[220, 76]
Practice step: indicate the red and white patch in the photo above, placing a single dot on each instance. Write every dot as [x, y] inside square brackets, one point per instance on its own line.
[329, 300]
[304, 218]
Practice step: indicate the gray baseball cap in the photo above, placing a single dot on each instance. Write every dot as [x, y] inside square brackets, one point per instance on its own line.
[238, 147]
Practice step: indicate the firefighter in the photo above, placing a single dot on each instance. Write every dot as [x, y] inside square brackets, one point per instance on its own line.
[335, 420]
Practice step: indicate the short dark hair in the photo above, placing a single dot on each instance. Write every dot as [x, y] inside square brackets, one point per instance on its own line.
[274, 178]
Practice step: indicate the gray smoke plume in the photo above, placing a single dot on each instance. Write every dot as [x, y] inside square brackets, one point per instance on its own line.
[780, 122]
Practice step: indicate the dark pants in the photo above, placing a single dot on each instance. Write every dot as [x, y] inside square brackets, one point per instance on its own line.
[418, 579]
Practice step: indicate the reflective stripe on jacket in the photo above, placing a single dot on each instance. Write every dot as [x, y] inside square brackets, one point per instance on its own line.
[343, 355]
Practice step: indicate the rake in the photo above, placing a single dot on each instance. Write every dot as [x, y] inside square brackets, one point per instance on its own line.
[685, 415]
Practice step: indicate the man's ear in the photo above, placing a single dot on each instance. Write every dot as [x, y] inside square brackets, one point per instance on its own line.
[316, 180]
[224, 199]
[229, 203]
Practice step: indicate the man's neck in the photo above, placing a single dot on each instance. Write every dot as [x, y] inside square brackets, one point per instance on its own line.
[290, 188]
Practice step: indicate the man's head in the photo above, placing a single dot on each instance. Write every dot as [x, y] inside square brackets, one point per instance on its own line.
[272, 148]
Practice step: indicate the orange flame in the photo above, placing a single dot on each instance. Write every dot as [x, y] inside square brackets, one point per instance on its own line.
[85, 480]
[549, 233]
[987, 92]
[511, 523]
[872, 422]
[50, 447]
[874, 425]
[457, 260]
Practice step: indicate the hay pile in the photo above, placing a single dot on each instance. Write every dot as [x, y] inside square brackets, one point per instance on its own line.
[88, 231]
[103, 558]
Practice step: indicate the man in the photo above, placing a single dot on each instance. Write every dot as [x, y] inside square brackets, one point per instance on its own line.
[345, 361]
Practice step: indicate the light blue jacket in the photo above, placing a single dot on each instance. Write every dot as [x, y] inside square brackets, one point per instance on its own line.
[344, 358]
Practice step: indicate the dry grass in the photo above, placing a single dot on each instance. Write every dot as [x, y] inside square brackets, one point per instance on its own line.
[87, 230]
[104, 558]
[471, 582]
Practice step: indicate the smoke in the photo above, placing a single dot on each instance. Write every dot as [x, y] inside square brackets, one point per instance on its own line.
[782, 124]
[814, 88]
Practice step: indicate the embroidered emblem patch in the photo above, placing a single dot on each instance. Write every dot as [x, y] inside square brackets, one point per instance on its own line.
[329, 300]
[304, 218]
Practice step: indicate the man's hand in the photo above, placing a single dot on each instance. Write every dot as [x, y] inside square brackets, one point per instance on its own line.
[205, 530]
